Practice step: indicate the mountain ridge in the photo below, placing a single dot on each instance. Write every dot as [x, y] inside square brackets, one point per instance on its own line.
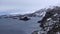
[37, 13]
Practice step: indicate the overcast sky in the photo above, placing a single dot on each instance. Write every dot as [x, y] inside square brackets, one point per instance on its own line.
[25, 5]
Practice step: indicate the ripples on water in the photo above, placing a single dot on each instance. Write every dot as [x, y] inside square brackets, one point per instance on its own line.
[16, 26]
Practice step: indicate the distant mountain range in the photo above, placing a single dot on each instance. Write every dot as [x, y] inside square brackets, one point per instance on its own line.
[38, 13]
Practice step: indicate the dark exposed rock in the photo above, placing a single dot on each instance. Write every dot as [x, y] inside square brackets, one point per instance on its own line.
[54, 30]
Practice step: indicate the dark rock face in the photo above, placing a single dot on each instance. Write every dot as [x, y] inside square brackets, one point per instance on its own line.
[25, 18]
[51, 21]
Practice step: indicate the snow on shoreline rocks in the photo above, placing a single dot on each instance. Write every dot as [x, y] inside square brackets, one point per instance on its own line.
[50, 23]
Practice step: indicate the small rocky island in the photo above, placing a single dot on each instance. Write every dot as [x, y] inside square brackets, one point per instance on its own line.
[24, 18]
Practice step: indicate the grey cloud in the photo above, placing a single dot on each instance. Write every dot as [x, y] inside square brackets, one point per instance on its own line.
[27, 5]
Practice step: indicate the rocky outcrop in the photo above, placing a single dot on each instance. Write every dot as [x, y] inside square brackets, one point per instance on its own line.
[51, 21]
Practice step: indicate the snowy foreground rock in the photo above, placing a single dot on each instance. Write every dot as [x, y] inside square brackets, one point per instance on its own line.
[50, 23]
